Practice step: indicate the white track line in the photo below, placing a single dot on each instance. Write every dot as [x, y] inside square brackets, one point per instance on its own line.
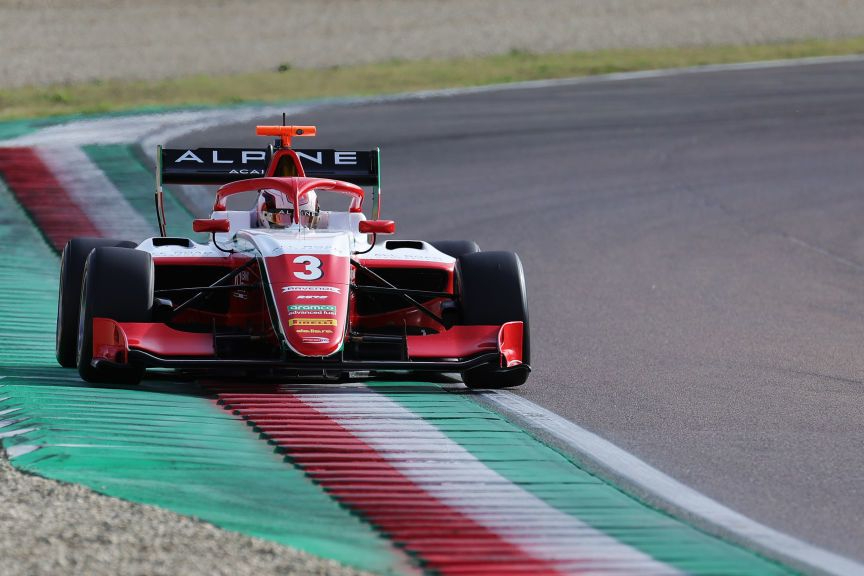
[137, 128]
[646, 482]
[553, 536]
[147, 130]
[216, 118]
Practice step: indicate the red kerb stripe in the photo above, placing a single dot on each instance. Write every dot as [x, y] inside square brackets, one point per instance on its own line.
[44, 198]
[444, 539]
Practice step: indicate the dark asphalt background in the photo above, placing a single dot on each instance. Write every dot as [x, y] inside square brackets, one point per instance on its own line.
[694, 253]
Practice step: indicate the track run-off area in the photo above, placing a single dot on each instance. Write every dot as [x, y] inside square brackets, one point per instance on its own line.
[400, 476]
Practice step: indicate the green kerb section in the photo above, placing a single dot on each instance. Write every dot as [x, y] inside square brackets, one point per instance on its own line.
[176, 450]
[171, 448]
[15, 128]
[123, 167]
[28, 289]
[564, 485]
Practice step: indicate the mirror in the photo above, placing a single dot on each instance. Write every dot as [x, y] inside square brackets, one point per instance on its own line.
[377, 227]
[207, 225]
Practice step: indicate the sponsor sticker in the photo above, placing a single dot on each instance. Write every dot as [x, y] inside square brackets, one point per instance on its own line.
[313, 331]
[312, 307]
[311, 289]
[315, 340]
[311, 297]
[311, 313]
[312, 322]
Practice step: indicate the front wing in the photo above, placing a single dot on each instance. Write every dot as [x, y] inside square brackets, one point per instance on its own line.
[461, 348]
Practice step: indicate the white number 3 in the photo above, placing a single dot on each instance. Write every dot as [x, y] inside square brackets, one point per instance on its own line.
[313, 268]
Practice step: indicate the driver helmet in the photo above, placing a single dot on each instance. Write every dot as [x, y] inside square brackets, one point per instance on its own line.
[275, 210]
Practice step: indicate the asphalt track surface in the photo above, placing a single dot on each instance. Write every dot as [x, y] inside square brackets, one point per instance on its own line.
[694, 253]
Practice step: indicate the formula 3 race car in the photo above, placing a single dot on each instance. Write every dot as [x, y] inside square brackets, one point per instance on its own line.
[287, 289]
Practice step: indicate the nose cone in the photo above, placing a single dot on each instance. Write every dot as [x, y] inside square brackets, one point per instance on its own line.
[313, 317]
[311, 296]
[309, 274]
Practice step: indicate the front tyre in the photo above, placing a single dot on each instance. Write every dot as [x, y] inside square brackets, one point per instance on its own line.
[492, 292]
[69, 300]
[118, 284]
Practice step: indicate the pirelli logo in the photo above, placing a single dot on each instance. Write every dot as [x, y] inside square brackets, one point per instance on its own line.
[312, 322]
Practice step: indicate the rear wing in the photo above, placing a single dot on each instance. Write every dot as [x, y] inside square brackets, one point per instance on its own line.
[224, 165]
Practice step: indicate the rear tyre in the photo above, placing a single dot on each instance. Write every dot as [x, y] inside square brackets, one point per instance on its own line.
[69, 300]
[456, 248]
[118, 284]
[493, 292]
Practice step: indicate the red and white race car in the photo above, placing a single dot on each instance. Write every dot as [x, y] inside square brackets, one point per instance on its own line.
[287, 288]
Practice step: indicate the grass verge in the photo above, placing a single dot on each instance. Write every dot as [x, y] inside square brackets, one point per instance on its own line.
[291, 83]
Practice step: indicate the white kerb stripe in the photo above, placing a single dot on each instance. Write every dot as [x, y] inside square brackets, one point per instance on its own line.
[509, 511]
[653, 486]
[20, 449]
[94, 193]
[145, 129]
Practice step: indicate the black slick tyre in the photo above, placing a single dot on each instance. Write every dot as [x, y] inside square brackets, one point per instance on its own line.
[69, 299]
[118, 284]
[492, 291]
[456, 248]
